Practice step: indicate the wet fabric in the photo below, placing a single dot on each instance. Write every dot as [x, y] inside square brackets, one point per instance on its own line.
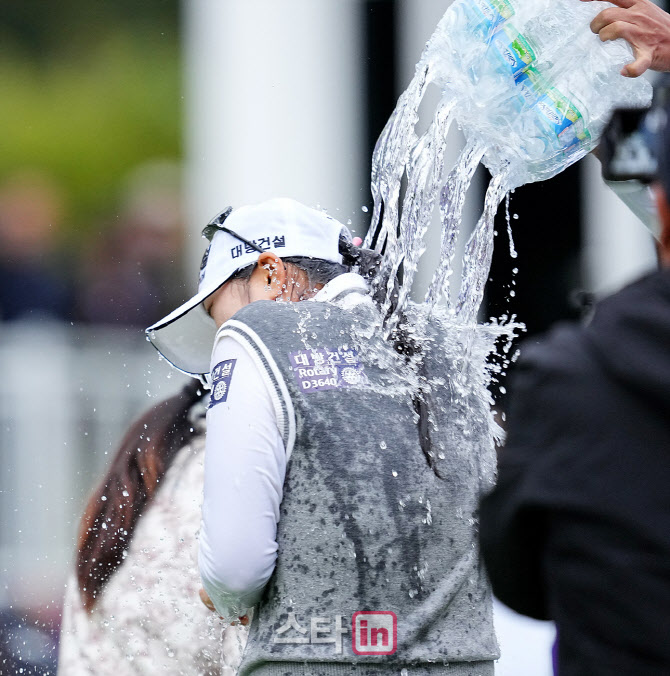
[365, 524]
[302, 669]
[248, 442]
[578, 529]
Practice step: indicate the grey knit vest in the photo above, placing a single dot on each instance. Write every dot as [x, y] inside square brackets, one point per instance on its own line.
[378, 561]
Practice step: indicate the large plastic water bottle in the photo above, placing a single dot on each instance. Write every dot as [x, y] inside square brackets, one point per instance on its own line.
[531, 80]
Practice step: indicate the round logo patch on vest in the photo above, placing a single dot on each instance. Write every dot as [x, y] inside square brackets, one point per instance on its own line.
[222, 375]
[323, 369]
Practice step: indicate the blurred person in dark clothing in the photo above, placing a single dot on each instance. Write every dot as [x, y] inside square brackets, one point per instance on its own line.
[578, 528]
[32, 283]
[131, 270]
[118, 286]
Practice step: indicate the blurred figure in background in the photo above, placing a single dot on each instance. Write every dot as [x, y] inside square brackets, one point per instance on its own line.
[32, 284]
[578, 528]
[132, 269]
[132, 605]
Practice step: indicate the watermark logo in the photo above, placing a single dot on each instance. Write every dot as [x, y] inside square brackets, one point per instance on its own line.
[321, 630]
[374, 632]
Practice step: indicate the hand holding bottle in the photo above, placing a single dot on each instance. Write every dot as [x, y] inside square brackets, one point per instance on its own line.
[642, 24]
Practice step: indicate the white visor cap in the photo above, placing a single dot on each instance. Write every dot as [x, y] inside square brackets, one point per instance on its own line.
[185, 337]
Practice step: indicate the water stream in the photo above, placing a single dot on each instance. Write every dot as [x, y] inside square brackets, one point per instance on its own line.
[531, 88]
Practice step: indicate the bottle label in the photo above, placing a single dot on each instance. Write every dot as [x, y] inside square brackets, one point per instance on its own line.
[531, 85]
[513, 49]
[565, 119]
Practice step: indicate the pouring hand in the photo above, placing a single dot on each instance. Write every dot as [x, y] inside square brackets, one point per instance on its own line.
[642, 24]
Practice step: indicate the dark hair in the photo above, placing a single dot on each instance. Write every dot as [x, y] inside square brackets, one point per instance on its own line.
[369, 264]
[145, 454]
[319, 271]
[410, 349]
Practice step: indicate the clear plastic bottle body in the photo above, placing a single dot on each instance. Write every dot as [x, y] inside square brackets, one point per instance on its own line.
[530, 79]
[542, 111]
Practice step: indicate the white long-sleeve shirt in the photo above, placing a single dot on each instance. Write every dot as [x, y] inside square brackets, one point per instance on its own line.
[245, 467]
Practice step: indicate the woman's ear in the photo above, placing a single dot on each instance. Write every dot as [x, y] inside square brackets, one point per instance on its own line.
[270, 272]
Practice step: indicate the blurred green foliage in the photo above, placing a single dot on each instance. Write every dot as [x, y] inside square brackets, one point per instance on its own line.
[88, 90]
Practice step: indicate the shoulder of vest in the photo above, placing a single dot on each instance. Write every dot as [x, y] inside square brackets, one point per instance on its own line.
[284, 313]
[246, 327]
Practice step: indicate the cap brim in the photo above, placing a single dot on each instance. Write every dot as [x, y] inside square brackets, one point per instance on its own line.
[185, 337]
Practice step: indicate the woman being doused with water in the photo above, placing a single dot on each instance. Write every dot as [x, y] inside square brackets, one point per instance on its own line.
[343, 469]
[132, 605]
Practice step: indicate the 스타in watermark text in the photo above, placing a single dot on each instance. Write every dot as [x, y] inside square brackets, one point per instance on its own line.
[372, 632]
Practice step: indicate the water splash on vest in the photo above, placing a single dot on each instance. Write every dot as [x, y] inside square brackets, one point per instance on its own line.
[531, 88]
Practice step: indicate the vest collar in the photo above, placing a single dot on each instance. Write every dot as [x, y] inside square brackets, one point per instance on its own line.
[342, 285]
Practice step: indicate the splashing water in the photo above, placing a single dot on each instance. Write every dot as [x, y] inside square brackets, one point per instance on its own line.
[451, 210]
[532, 89]
[508, 219]
[479, 252]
